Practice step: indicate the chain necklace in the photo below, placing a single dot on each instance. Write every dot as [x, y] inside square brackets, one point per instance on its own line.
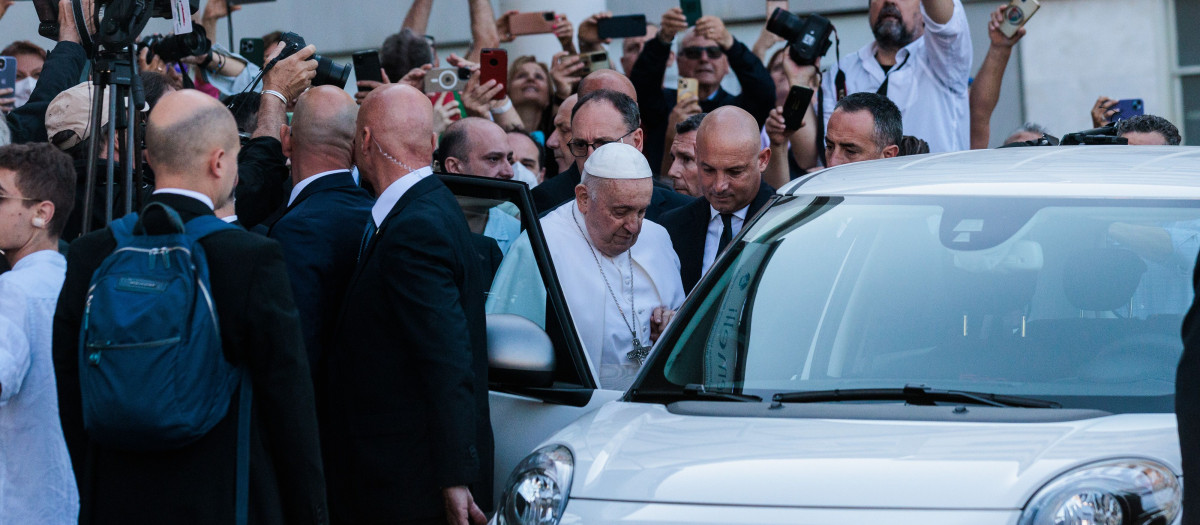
[640, 351]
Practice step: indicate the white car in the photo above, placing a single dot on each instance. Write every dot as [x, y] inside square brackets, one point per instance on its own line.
[975, 337]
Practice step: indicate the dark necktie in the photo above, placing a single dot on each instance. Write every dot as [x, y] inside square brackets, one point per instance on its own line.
[366, 238]
[726, 231]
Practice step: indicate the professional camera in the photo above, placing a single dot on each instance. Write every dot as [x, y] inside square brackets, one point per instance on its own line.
[1102, 136]
[328, 72]
[807, 37]
[174, 48]
[122, 21]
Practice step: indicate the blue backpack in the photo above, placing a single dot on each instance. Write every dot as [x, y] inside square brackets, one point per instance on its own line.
[151, 369]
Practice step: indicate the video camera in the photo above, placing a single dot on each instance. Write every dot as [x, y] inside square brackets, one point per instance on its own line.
[173, 48]
[1105, 135]
[117, 22]
[807, 37]
[329, 73]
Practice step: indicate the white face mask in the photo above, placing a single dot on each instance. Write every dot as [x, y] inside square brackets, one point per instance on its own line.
[23, 89]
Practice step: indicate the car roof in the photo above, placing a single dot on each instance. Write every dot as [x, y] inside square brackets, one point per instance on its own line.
[1062, 171]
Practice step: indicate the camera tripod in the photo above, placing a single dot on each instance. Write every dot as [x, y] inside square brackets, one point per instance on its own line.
[115, 74]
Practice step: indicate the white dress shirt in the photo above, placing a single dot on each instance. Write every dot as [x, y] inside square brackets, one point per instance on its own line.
[299, 187]
[188, 193]
[36, 481]
[930, 88]
[389, 197]
[713, 238]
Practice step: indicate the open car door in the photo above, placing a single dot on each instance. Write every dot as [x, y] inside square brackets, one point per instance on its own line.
[540, 376]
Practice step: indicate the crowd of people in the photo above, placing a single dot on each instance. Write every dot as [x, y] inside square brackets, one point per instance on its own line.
[351, 291]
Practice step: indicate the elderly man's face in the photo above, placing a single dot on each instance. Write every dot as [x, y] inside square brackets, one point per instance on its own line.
[558, 139]
[730, 171]
[851, 138]
[695, 61]
[896, 23]
[683, 172]
[600, 123]
[613, 211]
[632, 47]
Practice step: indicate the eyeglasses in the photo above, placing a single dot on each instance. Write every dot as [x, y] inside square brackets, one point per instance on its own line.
[431, 41]
[580, 148]
[15, 198]
[694, 52]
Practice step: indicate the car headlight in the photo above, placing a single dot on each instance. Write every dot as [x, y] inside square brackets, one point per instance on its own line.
[1121, 492]
[538, 488]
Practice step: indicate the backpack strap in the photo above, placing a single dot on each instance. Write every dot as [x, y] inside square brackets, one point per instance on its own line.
[122, 229]
[173, 218]
[203, 226]
[242, 506]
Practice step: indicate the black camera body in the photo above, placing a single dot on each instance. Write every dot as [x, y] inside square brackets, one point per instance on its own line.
[173, 48]
[807, 37]
[1102, 136]
[120, 26]
[329, 73]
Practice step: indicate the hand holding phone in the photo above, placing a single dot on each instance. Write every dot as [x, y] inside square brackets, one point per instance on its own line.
[534, 23]
[795, 107]
[1128, 108]
[688, 87]
[691, 10]
[493, 65]
[1016, 15]
[366, 66]
[621, 26]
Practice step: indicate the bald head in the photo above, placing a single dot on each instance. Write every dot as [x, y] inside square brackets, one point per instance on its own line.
[476, 146]
[322, 132]
[730, 158]
[397, 119]
[607, 79]
[184, 129]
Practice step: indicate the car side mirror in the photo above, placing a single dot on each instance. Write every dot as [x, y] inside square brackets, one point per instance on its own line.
[520, 354]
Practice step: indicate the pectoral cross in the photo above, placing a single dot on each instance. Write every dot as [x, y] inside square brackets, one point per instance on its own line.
[639, 352]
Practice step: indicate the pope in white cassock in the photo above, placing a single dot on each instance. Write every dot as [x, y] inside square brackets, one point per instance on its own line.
[618, 271]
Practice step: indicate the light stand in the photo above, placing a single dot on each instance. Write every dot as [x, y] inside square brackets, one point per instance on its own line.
[115, 74]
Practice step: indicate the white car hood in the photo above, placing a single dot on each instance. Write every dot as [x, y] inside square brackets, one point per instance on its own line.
[643, 452]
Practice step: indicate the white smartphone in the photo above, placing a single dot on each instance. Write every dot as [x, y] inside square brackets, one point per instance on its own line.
[1016, 14]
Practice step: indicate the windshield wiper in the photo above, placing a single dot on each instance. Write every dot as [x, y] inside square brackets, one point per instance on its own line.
[911, 394]
[697, 392]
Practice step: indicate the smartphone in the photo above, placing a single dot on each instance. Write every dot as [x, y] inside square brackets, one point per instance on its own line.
[493, 65]
[691, 9]
[621, 26]
[776, 4]
[253, 49]
[8, 74]
[1128, 108]
[534, 23]
[243, 2]
[796, 106]
[686, 86]
[444, 80]
[366, 65]
[1016, 14]
[595, 61]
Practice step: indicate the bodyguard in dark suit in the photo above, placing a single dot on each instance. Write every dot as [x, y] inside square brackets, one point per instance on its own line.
[321, 225]
[412, 440]
[192, 145]
[1187, 406]
[731, 163]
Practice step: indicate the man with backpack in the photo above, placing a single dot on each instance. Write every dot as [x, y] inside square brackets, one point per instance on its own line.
[184, 387]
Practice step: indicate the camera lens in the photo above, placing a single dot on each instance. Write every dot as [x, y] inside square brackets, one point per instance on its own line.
[785, 24]
[494, 62]
[330, 73]
[447, 79]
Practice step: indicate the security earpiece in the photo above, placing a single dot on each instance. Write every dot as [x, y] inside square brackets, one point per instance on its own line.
[39, 222]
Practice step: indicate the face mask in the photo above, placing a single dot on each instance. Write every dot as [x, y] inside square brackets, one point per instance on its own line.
[23, 89]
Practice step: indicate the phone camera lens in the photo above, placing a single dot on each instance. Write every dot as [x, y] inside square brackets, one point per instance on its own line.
[494, 62]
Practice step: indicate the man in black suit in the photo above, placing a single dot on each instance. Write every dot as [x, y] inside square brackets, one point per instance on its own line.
[600, 117]
[412, 439]
[706, 53]
[1187, 406]
[320, 227]
[731, 161]
[192, 144]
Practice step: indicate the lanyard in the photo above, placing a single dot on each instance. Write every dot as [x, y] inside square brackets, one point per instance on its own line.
[883, 88]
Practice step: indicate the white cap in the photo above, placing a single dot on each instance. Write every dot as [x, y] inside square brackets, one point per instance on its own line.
[617, 160]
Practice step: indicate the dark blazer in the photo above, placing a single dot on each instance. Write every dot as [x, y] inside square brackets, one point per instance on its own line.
[1187, 406]
[62, 71]
[688, 227]
[320, 234]
[757, 96]
[195, 484]
[557, 190]
[264, 180]
[409, 374]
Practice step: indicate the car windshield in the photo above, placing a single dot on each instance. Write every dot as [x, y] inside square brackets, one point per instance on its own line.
[1076, 301]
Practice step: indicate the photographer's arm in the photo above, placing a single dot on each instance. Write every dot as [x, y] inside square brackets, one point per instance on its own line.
[290, 77]
[63, 70]
[985, 91]
[483, 29]
[214, 11]
[939, 11]
[417, 18]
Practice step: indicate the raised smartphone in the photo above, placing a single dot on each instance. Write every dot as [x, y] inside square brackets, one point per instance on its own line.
[1016, 14]
[795, 107]
[621, 26]
[366, 65]
[596, 60]
[535, 23]
[1128, 108]
[253, 50]
[493, 65]
[687, 86]
[8, 74]
[692, 10]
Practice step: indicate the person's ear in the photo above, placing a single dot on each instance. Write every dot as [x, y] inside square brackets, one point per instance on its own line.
[638, 135]
[454, 165]
[285, 140]
[43, 213]
[891, 151]
[764, 159]
[581, 198]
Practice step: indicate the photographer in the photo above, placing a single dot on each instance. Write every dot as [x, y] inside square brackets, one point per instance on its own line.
[707, 52]
[921, 60]
[62, 70]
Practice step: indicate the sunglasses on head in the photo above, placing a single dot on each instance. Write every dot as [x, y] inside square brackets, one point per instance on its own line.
[694, 52]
